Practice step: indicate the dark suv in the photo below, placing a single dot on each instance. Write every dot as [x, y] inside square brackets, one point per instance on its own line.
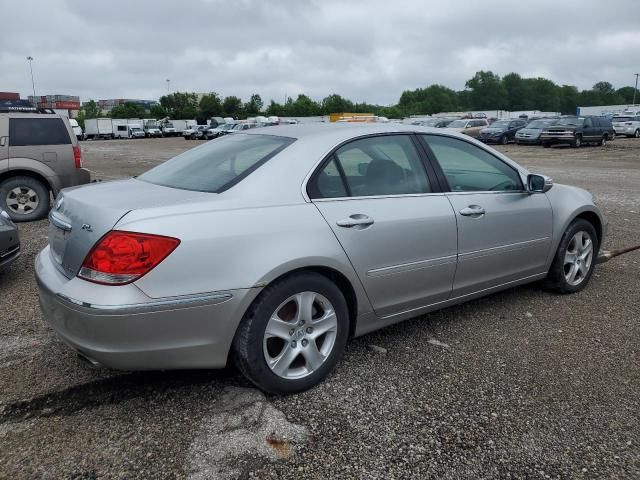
[578, 130]
[39, 156]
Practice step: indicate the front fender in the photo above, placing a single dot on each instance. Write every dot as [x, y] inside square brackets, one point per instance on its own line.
[569, 202]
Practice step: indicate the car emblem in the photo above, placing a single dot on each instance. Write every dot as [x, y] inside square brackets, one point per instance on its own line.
[86, 227]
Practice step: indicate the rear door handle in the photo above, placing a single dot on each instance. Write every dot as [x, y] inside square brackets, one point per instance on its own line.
[357, 220]
[472, 211]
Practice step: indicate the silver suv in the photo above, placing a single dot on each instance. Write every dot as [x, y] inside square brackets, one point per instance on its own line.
[39, 156]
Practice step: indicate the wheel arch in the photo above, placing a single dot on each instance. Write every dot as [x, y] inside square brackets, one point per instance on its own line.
[22, 172]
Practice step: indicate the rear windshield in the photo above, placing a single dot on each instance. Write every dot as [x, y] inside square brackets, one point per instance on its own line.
[217, 166]
[37, 131]
[622, 119]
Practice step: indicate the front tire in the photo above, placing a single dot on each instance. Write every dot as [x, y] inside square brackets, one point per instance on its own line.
[293, 334]
[575, 258]
[504, 140]
[577, 143]
[603, 141]
[25, 199]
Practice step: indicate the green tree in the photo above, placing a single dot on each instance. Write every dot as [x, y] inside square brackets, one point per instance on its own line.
[232, 106]
[275, 108]
[210, 106]
[128, 110]
[517, 92]
[254, 105]
[569, 99]
[158, 112]
[543, 95]
[626, 94]
[303, 107]
[180, 105]
[335, 103]
[89, 109]
[487, 92]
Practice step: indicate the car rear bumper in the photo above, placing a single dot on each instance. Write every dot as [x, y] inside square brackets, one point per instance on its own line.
[155, 334]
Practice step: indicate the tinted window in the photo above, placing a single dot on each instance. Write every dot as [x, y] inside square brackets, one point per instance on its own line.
[328, 183]
[216, 166]
[385, 165]
[37, 131]
[469, 168]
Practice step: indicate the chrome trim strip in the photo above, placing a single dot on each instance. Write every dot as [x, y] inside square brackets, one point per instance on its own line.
[162, 304]
[502, 249]
[8, 253]
[454, 299]
[407, 267]
[58, 222]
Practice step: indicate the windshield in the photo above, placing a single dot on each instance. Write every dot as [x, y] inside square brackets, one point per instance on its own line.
[501, 124]
[458, 124]
[218, 165]
[575, 121]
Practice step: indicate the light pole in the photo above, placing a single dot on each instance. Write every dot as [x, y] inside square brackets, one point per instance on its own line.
[635, 89]
[33, 84]
[168, 83]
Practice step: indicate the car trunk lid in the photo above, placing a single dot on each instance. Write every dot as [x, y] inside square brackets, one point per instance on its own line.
[81, 216]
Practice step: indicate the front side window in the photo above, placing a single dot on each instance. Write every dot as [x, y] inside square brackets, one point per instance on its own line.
[372, 166]
[469, 168]
[37, 131]
[216, 166]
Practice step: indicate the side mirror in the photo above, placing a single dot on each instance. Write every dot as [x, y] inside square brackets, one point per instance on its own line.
[538, 183]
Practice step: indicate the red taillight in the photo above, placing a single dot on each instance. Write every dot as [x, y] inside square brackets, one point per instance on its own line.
[77, 156]
[123, 257]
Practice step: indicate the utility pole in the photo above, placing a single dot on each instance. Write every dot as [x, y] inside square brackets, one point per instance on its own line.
[33, 84]
[168, 83]
[635, 89]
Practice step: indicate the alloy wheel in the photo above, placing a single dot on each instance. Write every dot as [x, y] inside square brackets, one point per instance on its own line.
[578, 258]
[22, 200]
[300, 335]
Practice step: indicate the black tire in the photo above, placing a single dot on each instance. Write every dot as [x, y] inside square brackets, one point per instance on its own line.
[247, 346]
[504, 140]
[603, 141]
[636, 134]
[577, 143]
[25, 183]
[556, 280]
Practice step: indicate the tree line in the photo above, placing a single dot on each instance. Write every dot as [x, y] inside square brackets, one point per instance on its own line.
[485, 91]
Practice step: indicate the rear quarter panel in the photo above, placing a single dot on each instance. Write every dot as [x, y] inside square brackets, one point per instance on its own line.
[241, 248]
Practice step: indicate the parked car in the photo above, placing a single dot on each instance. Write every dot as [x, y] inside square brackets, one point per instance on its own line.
[628, 125]
[241, 126]
[9, 241]
[274, 247]
[469, 127]
[530, 134]
[77, 129]
[39, 156]
[433, 122]
[220, 130]
[502, 131]
[195, 132]
[576, 131]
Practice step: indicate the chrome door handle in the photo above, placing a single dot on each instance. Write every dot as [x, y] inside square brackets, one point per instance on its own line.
[357, 220]
[472, 211]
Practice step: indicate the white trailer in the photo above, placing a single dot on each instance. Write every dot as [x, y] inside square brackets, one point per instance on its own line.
[98, 128]
[181, 125]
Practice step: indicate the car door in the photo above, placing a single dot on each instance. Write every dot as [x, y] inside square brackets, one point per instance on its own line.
[397, 229]
[589, 130]
[504, 232]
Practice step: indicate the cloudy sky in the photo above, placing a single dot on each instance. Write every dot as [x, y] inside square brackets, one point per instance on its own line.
[365, 50]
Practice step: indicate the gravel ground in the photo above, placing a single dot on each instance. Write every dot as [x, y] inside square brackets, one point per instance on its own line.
[521, 384]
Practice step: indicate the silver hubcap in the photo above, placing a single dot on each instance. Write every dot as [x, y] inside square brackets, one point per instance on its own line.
[578, 258]
[22, 200]
[300, 335]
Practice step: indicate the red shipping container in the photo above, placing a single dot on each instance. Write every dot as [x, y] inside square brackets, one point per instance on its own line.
[68, 105]
[9, 96]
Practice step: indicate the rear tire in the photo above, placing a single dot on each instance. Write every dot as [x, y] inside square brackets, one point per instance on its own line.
[577, 143]
[25, 199]
[603, 141]
[504, 140]
[559, 277]
[256, 353]
[636, 134]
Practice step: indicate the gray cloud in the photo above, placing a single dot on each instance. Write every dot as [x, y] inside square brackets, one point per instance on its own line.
[366, 50]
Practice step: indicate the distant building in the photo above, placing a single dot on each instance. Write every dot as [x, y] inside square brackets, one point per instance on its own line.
[108, 104]
[68, 105]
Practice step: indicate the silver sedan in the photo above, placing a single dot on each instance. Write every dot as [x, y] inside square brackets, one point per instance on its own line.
[275, 248]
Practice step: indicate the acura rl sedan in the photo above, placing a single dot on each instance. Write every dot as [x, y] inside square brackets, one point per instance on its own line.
[274, 248]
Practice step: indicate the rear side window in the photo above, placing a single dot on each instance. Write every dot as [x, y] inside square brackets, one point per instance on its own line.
[217, 166]
[372, 166]
[37, 131]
